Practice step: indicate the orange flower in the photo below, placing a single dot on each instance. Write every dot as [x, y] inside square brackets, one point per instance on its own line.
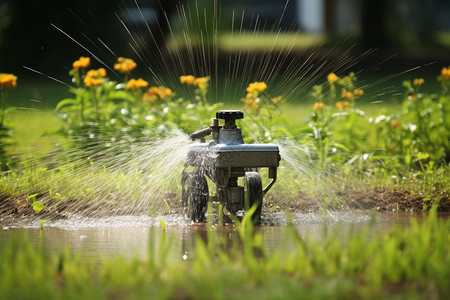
[276, 100]
[347, 94]
[97, 73]
[445, 73]
[201, 82]
[91, 81]
[358, 92]
[159, 92]
[318, 106]
[418, 81]
[251, 103]
[8, 81]
[395, 124]
[125, 65]
[136, 84]
[256, 86]
[94, 77]
[81, 63]
[332, 77]
[187, 79]
[342, 104]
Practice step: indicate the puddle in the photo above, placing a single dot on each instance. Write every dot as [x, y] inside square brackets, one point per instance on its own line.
[130, 236]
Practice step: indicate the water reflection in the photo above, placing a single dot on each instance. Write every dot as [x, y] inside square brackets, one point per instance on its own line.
[132, 237]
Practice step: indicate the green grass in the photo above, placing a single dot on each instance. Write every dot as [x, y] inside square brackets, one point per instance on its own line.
[401, 264]
[34, 131]
[263, 41]
[260, 41]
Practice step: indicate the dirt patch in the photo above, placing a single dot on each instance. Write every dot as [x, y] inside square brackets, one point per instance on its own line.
[382, 200]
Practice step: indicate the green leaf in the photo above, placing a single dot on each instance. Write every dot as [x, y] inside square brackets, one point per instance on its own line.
[163, 225]
[32, 197]
[42, 222]
[121, 95]
[37, 206]
[421, 155]
[64, 102]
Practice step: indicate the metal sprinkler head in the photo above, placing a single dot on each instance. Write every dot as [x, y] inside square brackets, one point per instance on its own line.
[230, 117]
[223, 160]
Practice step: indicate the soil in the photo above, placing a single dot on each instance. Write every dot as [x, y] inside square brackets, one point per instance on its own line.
[382, 200]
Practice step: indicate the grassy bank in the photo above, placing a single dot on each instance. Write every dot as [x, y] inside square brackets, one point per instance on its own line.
[401, 264]
[118, 143]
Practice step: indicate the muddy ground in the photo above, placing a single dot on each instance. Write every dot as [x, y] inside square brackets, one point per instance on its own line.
[381, 200]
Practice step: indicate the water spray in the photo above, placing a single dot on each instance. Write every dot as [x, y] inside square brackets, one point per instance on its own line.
[224, 160]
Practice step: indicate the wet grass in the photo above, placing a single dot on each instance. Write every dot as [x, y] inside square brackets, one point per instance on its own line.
[401, 264]
[42, 166]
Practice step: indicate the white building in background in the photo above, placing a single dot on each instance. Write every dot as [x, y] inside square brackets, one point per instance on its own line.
[310, 15]
[320, 16]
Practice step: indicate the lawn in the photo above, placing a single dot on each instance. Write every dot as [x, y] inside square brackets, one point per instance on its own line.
[108, 147]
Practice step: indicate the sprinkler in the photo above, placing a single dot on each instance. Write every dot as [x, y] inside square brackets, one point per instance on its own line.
[224, 160]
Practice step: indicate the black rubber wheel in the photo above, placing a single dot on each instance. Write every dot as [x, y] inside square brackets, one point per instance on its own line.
[253, 194]
[194, 195]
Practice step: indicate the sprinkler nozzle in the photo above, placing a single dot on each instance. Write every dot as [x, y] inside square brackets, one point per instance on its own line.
[199, 135]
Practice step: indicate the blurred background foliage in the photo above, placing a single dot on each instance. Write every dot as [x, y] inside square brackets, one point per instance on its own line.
[45, 37]
[28, 38]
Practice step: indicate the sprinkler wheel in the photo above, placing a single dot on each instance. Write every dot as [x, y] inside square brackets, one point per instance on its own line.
[253, 194]
[194, 195]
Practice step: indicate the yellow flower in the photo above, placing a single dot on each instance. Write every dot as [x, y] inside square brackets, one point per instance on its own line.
[101, 72]
[94, 77]
[358, 92]
[97, 73]
[251, 103]
[418, 81]
[276, 100]
[160, 92]
[258, 86]
[92, 81]
[445, 73]
[125, 65]
[201, 82]
[342, 104]
[332, 77]
[136, 84]
[187, 79]
[166, 92]
[8, 81]
[83, 62]
[318, 106]
[347, 94]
